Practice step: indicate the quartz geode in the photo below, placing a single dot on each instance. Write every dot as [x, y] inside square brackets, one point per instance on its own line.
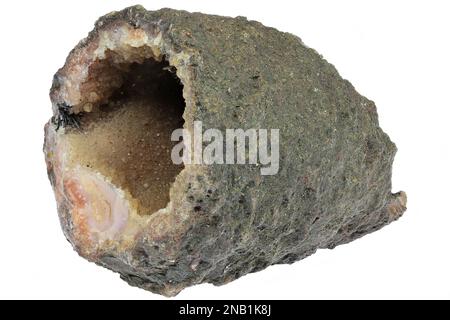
[124, 205]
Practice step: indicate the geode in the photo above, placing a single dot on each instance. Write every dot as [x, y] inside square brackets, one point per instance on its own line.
[125, 205]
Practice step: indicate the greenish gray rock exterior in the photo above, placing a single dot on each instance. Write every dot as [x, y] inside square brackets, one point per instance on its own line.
[334, 181]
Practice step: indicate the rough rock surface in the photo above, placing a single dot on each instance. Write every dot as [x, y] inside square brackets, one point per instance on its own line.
[223, 221]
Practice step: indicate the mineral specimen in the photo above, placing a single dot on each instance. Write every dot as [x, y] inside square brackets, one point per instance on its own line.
[125, 205]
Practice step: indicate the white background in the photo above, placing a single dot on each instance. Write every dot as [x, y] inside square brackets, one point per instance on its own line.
[394, 52]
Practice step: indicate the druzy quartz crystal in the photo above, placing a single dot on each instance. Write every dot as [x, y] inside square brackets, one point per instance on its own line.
[126, 206]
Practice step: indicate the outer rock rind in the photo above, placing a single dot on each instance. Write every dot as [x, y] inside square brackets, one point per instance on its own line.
[334, 181]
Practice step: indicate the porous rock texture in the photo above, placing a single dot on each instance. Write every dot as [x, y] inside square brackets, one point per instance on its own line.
[123, 205]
